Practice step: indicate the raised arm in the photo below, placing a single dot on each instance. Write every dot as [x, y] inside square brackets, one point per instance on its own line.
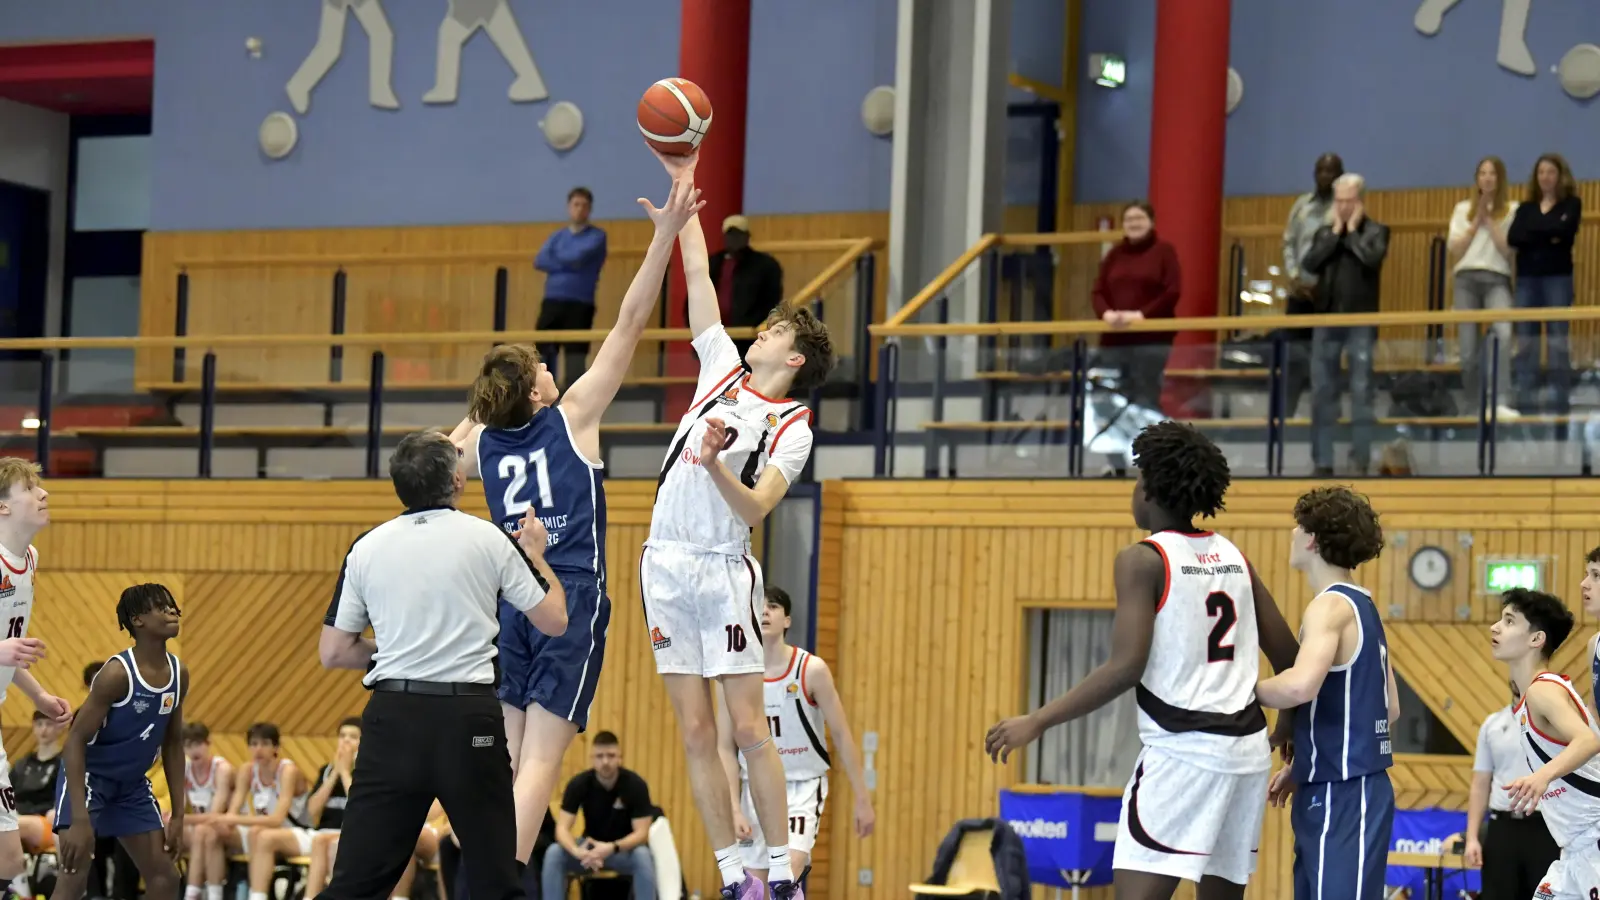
[465, 437]
[704, 311]
[1370, 245]
[1325, 619]
[586, 401]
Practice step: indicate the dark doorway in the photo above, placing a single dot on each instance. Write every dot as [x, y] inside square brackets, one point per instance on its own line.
[24, 270]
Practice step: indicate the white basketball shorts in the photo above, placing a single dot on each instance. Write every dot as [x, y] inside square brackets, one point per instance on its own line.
[1575, 876]
[702, 609]
[1181, 820]
[806, 799]
[8, 800]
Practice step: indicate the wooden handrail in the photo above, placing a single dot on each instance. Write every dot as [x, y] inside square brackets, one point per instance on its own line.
[374, 341]
[836, 268]
[943, 279]
[1244, 323]
[521, 255]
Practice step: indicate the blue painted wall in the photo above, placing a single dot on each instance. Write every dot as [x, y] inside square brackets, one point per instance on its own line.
[1355, 77]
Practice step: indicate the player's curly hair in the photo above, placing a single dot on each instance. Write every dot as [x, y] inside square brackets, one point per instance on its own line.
[1184, 472]
[499, 397]
[1343, 522]
[811, 340]
[142, 599]
[1544, 612]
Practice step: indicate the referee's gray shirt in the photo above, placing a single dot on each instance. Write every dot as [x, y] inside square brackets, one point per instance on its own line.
[427, 582]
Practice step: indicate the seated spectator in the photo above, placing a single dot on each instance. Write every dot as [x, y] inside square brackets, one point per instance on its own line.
[1347, 257]
[1543, 232]
[1139, 279]
[616, 823]
[208, 783]
[1478, 229]
[271, 808]
[326, 806]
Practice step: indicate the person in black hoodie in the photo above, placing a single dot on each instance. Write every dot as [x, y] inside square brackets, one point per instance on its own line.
[1543, 232]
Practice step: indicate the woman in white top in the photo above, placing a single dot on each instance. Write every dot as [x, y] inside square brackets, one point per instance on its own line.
[1483, 273]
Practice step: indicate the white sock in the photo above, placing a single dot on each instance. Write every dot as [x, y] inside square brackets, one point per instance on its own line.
[258, 895]
[213, 892]
[21, 887]
[728, 864]
[778, 869]
[192, 892]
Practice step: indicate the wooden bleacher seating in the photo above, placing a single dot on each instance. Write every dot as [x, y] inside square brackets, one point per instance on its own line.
[292, 387]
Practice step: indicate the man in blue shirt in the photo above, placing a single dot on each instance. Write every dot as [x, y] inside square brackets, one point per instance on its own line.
[571, 260]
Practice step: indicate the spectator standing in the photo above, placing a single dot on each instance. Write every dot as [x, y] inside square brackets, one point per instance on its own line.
[1139, 279]
[1515, 849]
[1309, 213]
[1347, 257]
[616, 825]
[749, 282]
[571, 260]
[1543, 232]
[1478, 236]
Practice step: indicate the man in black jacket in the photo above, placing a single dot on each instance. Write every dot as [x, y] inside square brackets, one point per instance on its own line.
[749, 282]
[1347, 256]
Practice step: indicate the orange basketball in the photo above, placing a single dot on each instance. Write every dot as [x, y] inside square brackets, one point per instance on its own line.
[674, 116]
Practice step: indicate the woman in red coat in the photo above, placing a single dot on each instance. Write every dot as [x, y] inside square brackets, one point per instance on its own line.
[1139, 279]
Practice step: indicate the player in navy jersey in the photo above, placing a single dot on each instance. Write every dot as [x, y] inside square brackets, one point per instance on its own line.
[1590, 587]
[1342, 692]
[134, 713]
[543, 459]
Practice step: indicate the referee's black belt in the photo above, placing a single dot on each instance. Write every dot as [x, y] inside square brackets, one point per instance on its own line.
[433, 688]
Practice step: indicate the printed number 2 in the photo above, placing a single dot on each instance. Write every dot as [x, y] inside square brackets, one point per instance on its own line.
[736, 638]
[15, 626]
[1219, 606]
[514, 468]
[145, 734]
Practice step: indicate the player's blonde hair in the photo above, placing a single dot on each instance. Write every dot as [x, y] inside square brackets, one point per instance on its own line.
[500, 395]
[14, 471]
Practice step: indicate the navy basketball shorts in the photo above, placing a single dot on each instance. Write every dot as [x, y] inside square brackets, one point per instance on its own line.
[117, 808]
[557, 673]
[1341, 837]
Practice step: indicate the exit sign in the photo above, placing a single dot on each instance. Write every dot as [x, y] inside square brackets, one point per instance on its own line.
[1505, 574]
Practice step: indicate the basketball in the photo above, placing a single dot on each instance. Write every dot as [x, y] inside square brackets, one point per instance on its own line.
[674, 116]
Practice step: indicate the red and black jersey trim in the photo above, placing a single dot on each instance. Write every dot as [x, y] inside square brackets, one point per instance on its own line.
[1176, 720]
[1136, 828]
[1572, 779]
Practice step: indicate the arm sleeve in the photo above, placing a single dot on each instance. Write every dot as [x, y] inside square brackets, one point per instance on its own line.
[1102, 303]
[718, 359]
[1291, 239]
[638, 800]
[1483, 760]
[791, 445]
[1165, 304]
[1458, 221]
[545, 261]
[520, 585]
[1520, 232]
[1566, 230]
[348, 610]
[1371, 245]
[1321, 250]
[572, 796]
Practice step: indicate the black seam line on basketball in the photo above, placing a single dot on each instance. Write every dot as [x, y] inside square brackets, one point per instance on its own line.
[1176, 720]
[677, 449]
[684, 124]
[1136, 827]
[1575, 781]
[816, 742]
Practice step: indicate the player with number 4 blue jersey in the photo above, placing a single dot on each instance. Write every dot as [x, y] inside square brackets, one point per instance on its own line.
[537, 449]
[1341, 695]
[133, 716]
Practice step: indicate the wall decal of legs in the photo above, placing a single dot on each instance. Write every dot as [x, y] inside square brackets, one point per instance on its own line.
[330, 40]
[1514, 54]
[1430, 16]
[495, 17]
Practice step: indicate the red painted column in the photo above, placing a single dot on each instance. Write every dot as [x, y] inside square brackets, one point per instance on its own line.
[714, 53]
[1188, 135]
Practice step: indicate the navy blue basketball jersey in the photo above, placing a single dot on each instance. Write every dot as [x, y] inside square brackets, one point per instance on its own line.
[537, 468]
[1343, 733]
[129, 740]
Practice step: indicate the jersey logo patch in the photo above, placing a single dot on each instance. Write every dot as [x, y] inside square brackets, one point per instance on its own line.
[6, 587]
[730, 396]
[793, 688]
[168, 701]
[140, 705]
[772, 420]
[658, 640]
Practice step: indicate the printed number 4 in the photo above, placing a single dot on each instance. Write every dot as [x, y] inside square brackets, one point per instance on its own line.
[1219, 606]
[14, 627]
[145, 734]
[514, 468]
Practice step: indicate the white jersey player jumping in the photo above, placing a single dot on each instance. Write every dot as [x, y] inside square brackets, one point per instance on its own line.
[802, 707]
[24, 512]
[737, 450]
[1190, 621]
[1558, 739]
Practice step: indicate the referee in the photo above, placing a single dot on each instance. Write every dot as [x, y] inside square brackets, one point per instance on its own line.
[427, 583]
[1516, 849]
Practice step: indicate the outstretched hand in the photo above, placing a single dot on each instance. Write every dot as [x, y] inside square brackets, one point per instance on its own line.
[683, 202]
[678, 165]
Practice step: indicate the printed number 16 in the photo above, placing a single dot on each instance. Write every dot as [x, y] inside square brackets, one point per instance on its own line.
[14, 627]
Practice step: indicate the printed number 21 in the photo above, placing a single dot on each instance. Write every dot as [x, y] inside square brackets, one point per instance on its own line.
[514, 468]
[14, 627]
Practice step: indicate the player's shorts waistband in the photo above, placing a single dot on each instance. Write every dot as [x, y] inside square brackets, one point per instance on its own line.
[733, 549]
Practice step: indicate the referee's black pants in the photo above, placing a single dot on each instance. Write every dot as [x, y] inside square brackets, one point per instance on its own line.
[415, 747]
[1516, 855]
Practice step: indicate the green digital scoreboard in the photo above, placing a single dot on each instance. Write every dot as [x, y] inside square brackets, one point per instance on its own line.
[1505, 574]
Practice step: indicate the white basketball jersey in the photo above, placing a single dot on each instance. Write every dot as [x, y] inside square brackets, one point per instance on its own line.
[1571, 804]
[762, 431]
[1197, 696]
[264, 797]
[16, 601]
[795, 720]
[201, 794]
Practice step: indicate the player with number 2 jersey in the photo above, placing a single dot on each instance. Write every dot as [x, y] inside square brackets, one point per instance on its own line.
[1191, 620]
[538, 451]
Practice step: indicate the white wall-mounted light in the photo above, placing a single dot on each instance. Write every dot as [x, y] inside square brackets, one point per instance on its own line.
[877, 110]
[1107, 70]
[30, 424]
[562, 125]
[278, 135]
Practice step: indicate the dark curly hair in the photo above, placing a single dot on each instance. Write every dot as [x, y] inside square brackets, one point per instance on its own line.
[1183, 471]
[1344, 524]
[143, 599]
[1593, 557]
[1544, 612]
